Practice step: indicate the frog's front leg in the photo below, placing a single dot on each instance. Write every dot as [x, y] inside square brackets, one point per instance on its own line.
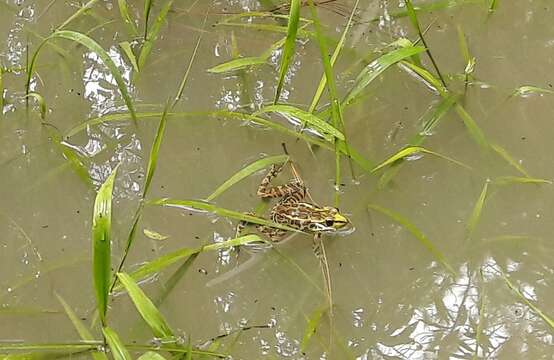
[295, 188]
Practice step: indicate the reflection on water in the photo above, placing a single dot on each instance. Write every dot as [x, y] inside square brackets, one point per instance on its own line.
[392, 298]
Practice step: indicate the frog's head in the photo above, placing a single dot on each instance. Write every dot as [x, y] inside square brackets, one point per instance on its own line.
[330, 220]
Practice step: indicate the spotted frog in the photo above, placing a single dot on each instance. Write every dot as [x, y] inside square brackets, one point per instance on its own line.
[292, 209]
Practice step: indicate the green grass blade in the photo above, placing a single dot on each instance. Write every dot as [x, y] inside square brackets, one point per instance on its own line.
[230, 115]
[41, 103]
[162, 262]
[207, 207]
[146, 308]
[102, 54]
[150, 355]
[153, 33]
[183, 82]
[306, 118]
[416, 233]
[493, 5]
[508, 180]
[334, 57]
[78, 13]
[126, 47]
[548, 320]
[101, 238]
[119, 351]
[83, 331]
[290, 45]
[146, 13]
[154, 152]
[410, 150]
[377, 67]
[426, 76]
[270, 28]
[247, 171]
[237, 64]
[311, 326]
[509, 159]
[428, 125]
[1, 91]
[477, 210]
[126, 17]
[415, 22]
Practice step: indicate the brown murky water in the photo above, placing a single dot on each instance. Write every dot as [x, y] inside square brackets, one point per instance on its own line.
[392, 298]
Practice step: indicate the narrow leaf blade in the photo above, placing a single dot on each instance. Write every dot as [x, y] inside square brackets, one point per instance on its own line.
[145, 307]
[101, 238]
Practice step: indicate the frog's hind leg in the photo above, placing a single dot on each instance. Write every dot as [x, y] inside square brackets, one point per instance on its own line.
[274, 234]
[295, 189]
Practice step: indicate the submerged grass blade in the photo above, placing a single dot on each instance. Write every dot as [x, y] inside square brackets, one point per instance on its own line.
[527, 90]
[509, 159]
[98, 50]
[78, 13]
[237, 64]
[377, 67]
[306, 118]
[429, 124]
[247, 171]
[548, 320]
[101, 238]
[119, 351]
[83, 331]
[311, 326]
[508, 180]
[477, 210]
[474, 130]
[126, 17]
[175, 278]
[410, 150]
[152, 34]
[146, 308]
[289, 47]
[416, 233]
[41, 103]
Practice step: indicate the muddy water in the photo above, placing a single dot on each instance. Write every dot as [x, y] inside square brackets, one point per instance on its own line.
[392, 298]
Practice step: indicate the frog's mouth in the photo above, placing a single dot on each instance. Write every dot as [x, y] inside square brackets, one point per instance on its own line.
[347, 229]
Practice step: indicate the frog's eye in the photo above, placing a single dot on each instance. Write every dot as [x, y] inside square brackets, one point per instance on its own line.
[329, 223]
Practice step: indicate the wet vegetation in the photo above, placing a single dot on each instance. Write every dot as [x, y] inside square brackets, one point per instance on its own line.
[320, 123]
